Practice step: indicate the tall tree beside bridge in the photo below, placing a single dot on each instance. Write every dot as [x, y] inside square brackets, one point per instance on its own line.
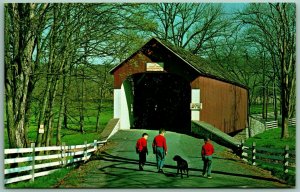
[274, 27]
[23, 26]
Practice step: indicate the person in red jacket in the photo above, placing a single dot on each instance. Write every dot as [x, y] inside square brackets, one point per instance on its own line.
[142, 150]
[159, 146]
[206, 153]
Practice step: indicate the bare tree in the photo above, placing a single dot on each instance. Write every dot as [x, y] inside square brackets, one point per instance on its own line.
[189, 25]
[274, 26]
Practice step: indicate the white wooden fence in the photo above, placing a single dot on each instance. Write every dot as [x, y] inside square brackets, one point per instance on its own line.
[271, 125]
[274, 124]
[31, 165]
[292, 121]
[284, 158]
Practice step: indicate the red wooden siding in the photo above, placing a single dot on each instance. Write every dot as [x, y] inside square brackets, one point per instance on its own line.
[135, 64]
[224, 105]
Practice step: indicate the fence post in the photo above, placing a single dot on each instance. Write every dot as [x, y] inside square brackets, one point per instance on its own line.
[63, 154]
[286, 159]
[85, 151]
[32, 162]
[253, 153]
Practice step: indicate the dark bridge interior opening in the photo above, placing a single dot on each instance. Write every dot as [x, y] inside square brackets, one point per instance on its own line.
[161, 100]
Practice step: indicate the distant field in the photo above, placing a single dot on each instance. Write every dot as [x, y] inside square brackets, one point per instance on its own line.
[72, 135]
[257, 108]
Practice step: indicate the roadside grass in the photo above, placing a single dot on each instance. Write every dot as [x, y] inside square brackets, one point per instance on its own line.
[71, 136]
[271, 139]
[47, 181]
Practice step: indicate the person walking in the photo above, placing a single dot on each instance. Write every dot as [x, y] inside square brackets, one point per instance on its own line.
[159, 146]
[206, 153]
[142, 150]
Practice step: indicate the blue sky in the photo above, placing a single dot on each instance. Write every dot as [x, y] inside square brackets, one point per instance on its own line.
[233, 7]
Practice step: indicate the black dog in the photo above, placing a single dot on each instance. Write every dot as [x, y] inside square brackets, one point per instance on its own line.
[182, 165]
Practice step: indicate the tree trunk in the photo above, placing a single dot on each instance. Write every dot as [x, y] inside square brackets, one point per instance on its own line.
[65, 115]
[28, 112]
[51, 114]
[98, 116]
[275, 101]
[61, 111]
[264, 87]
[18, 66]
[267, 102]
[42, 113]
[284, 99]
[82, 106]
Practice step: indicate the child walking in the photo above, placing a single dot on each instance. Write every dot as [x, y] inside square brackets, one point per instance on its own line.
[206, 153]
[160, 149]
[142, 150]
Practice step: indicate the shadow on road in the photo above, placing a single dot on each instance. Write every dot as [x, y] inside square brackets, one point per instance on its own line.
[226, 159]
[104, 156]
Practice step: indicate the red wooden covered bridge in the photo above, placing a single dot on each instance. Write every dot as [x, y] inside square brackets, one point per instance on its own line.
[163, 86]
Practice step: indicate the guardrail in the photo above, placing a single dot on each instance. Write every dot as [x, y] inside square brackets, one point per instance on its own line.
[279, 158]
[32, 164]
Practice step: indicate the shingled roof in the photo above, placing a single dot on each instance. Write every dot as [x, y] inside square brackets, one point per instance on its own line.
[201, 65]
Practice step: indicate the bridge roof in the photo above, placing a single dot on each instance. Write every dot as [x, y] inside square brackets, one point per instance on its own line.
[199, 64]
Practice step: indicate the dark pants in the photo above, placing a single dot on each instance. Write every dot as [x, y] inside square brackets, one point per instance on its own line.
[142, 158]
[207, 160]
[160, 157]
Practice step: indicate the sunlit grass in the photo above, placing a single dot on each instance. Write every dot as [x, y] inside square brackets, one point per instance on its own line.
[72, 135]
[272, 138]
[47, 181]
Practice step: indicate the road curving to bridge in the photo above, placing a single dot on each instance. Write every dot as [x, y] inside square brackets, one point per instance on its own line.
[116, 166]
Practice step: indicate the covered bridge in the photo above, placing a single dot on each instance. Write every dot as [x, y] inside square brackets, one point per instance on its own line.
[163, 86]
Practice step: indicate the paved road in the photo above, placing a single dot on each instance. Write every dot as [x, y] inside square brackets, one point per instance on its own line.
[116, 167]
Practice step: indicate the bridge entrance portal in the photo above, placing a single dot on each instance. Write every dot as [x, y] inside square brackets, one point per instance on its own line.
[160, 100]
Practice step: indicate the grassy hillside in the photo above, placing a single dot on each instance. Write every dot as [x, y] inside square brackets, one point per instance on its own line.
[271, 138]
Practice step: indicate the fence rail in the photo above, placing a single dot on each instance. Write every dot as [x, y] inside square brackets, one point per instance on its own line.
[292, 121]
[33, 165]
[271, 125]
[280, 158]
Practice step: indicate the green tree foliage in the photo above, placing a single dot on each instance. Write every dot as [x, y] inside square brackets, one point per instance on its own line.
[273, 26]
[57, 56]
[50, 45]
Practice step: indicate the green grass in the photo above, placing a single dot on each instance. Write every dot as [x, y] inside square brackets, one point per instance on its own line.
[271, 139]
[48, 181]
[72, 135]
[257, 108]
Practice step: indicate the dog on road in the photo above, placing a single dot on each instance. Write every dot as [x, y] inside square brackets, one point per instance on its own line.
[182, 165]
